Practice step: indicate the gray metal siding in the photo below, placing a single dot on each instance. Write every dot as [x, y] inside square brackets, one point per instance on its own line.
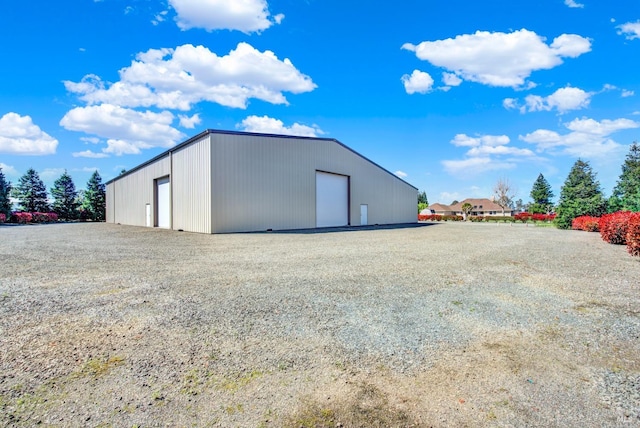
[269, 183]
[109, 202]
[192, 187]
[131, 193]
[233, 182]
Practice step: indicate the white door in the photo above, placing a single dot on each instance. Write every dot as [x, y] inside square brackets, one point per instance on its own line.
[164, 202]
[364, 211]
[148, 212]
[332, 200]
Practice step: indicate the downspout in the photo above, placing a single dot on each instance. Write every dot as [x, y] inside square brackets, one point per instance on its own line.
[171, 189]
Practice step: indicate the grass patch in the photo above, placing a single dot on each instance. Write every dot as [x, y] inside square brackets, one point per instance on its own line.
[97, 367]
[368, 408]
[233, 385]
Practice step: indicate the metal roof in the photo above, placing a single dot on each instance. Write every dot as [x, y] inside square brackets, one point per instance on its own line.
[255, 134]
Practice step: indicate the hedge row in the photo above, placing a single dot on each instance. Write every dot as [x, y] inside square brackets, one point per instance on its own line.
[620, 228]
[437, 217]
[24, 218]
[525, 217]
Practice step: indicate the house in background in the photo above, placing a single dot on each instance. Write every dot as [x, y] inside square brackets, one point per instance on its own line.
[437, 209]
[227, 181]
[481, 207]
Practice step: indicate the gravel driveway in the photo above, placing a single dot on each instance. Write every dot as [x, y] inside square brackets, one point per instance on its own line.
[450, 324]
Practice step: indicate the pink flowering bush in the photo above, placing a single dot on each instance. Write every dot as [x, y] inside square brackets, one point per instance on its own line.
[3, 217]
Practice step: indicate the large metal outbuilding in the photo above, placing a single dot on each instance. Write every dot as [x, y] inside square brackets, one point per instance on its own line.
[225, 181]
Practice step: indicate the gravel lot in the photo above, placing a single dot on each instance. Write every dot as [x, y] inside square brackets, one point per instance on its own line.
[451, 324]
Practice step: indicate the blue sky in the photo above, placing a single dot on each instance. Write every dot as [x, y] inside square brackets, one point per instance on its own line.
[451, 96]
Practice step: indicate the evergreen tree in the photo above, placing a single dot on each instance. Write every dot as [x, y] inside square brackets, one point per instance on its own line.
[580, 195]
[32, 193]
[423, 203]
[422, 198]
[95, 198]
[541, 194]
[5, 192]
[64, 197]
[626, 193]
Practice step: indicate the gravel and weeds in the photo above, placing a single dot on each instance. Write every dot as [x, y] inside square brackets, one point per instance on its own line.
[450, 324]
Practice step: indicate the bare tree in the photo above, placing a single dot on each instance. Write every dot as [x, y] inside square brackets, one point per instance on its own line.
[504, 193]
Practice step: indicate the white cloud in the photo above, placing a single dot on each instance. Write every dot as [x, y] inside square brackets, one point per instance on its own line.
[160, 17]
[20, 136]
[499, 59]
[463, 140]
[627, 93]
[8, 170]
[510, 103]
[419, 82]
[51, 174]
[448, 197]
[89, 154]
[562, 100]
[268, 125]
[90, 140]
[401, 174]
[127, 131]
[475, 165]
[86, 169]
[631, 30]
[588, 138]
[247, 16]
[451, 79]
[189, 122]
[486, 153]
[573, 3]
[178, 78]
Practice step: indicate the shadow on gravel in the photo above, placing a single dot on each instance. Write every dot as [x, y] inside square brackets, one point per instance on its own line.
[352, 228]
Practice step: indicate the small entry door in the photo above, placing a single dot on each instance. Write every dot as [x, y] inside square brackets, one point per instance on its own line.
[364, 214]
[148, 212]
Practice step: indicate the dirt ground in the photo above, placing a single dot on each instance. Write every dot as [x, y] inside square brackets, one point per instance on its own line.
[451, 324]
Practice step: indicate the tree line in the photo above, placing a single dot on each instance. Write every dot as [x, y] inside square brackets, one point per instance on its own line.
[67, 202]
[581, 194]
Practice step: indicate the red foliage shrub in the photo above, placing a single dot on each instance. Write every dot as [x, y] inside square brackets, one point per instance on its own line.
[543, 217]
[613, 227]
[586, 223]
[633, 234]
[21, 218]
[427, 217]
[523, 217]
[39, 217]
[3, 218]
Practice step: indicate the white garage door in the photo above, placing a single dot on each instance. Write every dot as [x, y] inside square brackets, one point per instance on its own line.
[164, 202]
[332, 200]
